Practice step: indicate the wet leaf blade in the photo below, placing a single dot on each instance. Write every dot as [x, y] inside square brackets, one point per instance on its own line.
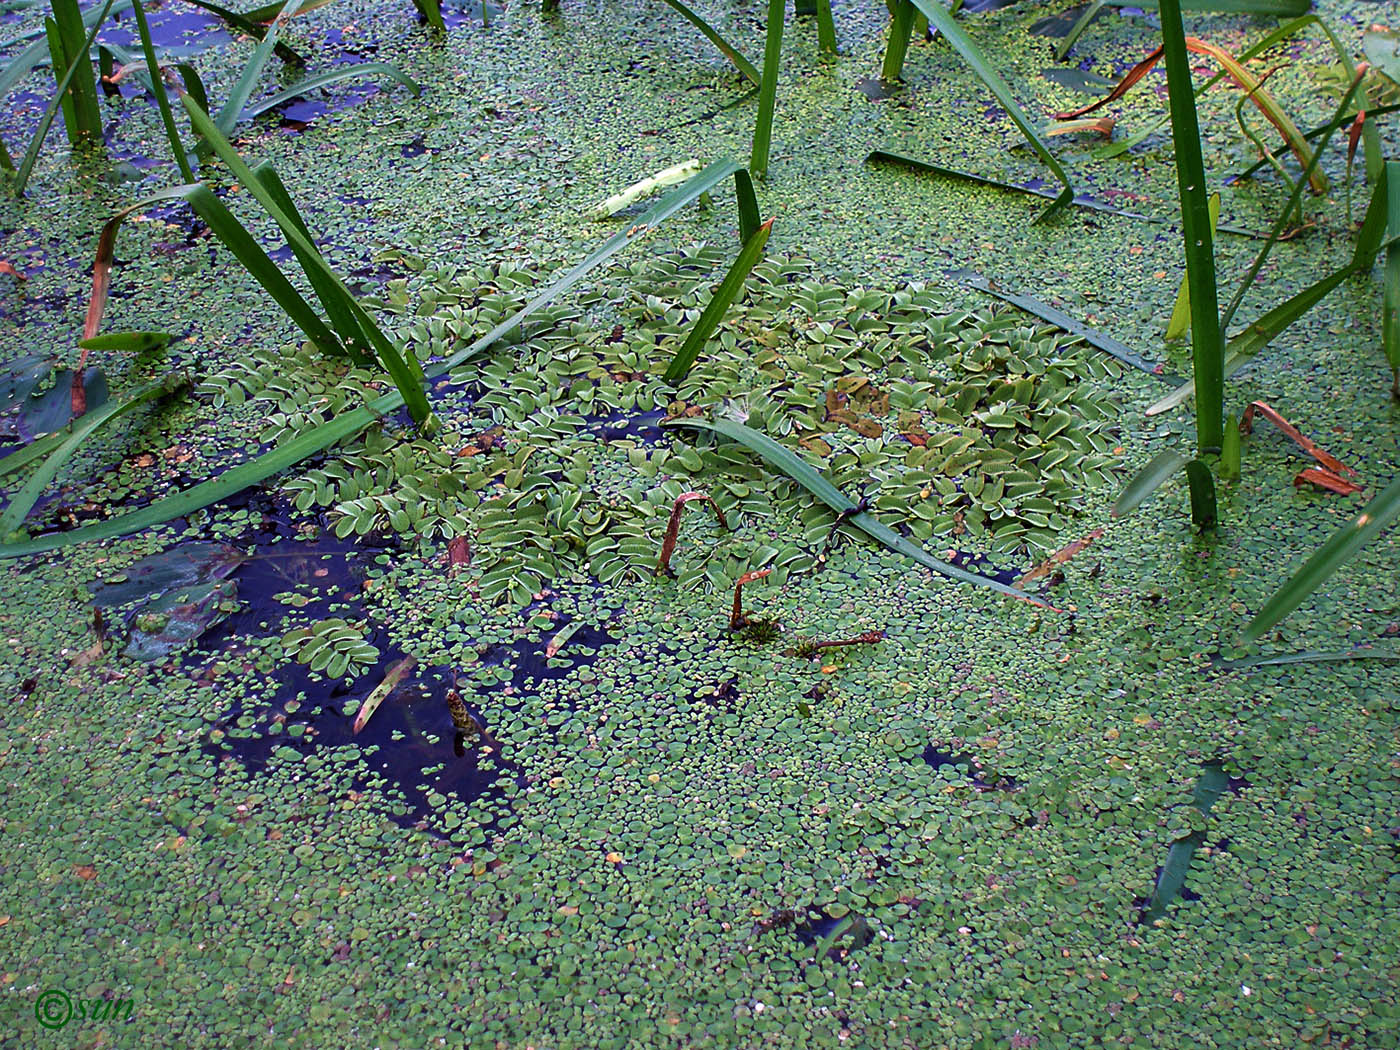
[787, 462]
[24, 500]
[718, 305]
[1147, 481]
[767, 88]
[333, 76]
[728, 50]
[1207, 343]
[942, 19]
[1344, 545]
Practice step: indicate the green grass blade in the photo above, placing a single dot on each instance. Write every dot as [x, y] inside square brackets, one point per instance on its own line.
[728, 50]
[748, 205]
[341, 317]
[431, 10]
[32, 451]
[232, 110]
[1202, 486]
[787, 462]
[1098, 340]
[1147, 481]
[333, 76]
[82, 89]
[167, 118]
[1327, 559]
[268, 12]
[1077, 30]
[250, 28]
[408, 380]
[1293, 202]
[901, 28]
[718, 305]
[83, 429]
[826, 27]
[58, 58]
[1207, 344]
[127, 342]
[347, 424]
[1390, 302]
[887, 156]
[942, 20]
[1209, 787]
[767, 89]
[1373, 651]
[246, 250]
[1180, 322]
[41, 132]
[1275, 8]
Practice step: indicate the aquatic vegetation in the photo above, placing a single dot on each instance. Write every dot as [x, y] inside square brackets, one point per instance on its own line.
[942, 19]
[333, 647]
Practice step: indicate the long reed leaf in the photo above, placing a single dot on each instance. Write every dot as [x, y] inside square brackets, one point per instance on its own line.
[718, 305]
[167, 118]
[256, 30]
[767, 89]
[728, 50]
[1147, 481]
[349, 423]
[80, 103]
[232, 109]
[1209, 787]
[1390, 293]
[82, 429]
[1327, 559]
[787, 462]
[1180, 322]
[942, 19]
[1207, 344]
[31, 156]
[329, 287]
[333, 76]
[236, 238]
[901, 28]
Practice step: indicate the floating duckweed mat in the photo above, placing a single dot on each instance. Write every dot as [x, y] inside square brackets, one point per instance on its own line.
[889, 810]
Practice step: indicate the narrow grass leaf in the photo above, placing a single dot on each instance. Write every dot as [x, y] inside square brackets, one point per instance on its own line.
[718, 305]
[1180, 322]
[167, 117]
[126, 342]
[767, 89]
[787, 462]
[1388, 651]
[1147, 481]
[728, 50]
[1062, 320]
[330, 288]
[232, 109]
[826, 27]
[256, 30]
[31, 156]
[901, 28]
[1390, 294]
[1327, 559]
[1202, 488]
[24, 500]
[235, 237]
[1209, 787]
[1207, 344]
[333, 76]
[942, 19]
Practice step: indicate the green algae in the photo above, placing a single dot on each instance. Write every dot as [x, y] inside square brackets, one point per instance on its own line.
[673, 803]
